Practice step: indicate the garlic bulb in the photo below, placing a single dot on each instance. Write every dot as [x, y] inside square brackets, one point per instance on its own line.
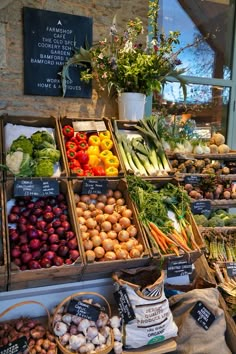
[83, 325]
[115, 322]
[102, 320]
[67, 318]
[60, 328]
[92, 332]
[76, 341]
[99, 339]
[117, 347]
[117, 334]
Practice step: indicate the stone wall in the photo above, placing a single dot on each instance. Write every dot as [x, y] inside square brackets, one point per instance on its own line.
[12, 98]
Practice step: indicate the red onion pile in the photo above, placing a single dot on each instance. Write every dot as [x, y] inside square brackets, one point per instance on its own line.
[40, 233]
[39, 339]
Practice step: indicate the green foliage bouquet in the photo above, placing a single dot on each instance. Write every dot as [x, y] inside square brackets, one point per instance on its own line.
[125, 64]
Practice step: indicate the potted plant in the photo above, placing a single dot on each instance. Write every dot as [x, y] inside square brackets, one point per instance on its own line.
[123, 64]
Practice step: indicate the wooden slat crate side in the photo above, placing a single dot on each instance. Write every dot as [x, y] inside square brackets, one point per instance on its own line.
[50, 276]
[35, 122]
[107, 267]
[69, 121]
[3, 267]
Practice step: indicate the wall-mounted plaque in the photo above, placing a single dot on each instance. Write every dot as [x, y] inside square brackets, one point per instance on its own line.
[49, 40]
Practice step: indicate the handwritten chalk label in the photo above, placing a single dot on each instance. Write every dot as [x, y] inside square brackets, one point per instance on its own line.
[16, 347]
[201, 207]
[49, 41]
[94, 186]
[179, 266]
[194, 180]
[35, 188]
[231, 269]
[124, 305]
[84, 310]
[202, 315]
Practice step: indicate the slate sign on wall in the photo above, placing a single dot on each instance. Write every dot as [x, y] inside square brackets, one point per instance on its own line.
[49, 40]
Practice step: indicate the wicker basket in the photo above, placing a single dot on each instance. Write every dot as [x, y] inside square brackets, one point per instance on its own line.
[98, 298]
[43, 321]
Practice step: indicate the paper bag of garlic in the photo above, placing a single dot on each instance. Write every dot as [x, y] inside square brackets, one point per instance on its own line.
[143, 306]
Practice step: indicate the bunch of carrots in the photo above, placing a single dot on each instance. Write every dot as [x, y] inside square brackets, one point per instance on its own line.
[153, 206]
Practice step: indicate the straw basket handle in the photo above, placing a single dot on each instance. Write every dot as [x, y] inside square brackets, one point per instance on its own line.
[22, 303]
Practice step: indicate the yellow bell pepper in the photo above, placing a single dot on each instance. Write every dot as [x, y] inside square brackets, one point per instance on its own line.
[111, 171]
[111, 161]
[104, 154]
[93, 150]
[94, 140]
[105, 135]
[93, 160]
[106, 144]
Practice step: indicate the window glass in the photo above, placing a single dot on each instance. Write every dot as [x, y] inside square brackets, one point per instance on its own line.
[208, 105]
[197, 19]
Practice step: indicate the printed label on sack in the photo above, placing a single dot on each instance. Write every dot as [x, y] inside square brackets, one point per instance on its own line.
[202, 315]
[84, 310]
[35, 188]
[16, 347]
[94, 186]
[124, 305]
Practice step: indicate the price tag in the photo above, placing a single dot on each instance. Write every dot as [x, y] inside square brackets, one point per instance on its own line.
[94, 186]
[35, 188]
[201, 207]
[124, 305]
[202, 315]
[84, 310]
[84, 126]
[179, 266]
[194, 180]
[16, 347]
[231, 269]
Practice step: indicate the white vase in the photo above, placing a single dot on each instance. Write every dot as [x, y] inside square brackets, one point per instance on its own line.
[131, 105]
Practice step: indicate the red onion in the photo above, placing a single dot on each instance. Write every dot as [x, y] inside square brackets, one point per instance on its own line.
[16, 252]
[68, 261]
[33, 233]
[69, 234]
[17, 262]
[15, 209]
[33, 219]
[25, 248]
[60, 231]
[45, 263]
[66, 225]
[26, 257]
[49, 254]
[23, 239]
[54, 247]
[74, 254]
[47, 208]
[62, 251]
[57, 211]
[22, 220]
[33, 264]
[58, 261]
[26, 213]
[37, 212]
[56, 223]
[48, 216]
[50, 230]
[12, 218]
[44, 247]
[41, 225]
[35, 244]
[63, 217]
[30, 205]
[72, 243]
[44, 236]
[14, 236]
[36, 254]
[60, 197]
[53, 238]
[22, 227]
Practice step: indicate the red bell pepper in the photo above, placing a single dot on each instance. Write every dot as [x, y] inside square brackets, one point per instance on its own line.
[68, 131]
[73, 164]
[82, 156]
[81, 136]
[71, 154]
[82, 145]
[88, 173]
[71, 145]
[98, 171]
[78, 171]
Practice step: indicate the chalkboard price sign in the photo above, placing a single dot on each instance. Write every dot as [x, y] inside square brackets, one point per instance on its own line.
[94, 186]
[202, 315]
[16, 347]
[49, 40]
[124, 305]
[35, 188]
[84, 310]
[231, 269]
[194, 180]
[201, 207]
[179, 266]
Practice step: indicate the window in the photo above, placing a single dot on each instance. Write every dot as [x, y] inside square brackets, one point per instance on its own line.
[209, 70]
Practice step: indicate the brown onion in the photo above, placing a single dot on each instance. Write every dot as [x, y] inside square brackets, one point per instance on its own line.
[132, 230]
[121, 253]
[85, 198]
[110, 256]
[123, 236]
[90, 255]
[96, 240]
[117, 194]
[106, 226]
[112, 234]
[99, 252]
[111, 201]
[124, 222]
[108, 244]
[109, 209]
[88, 244]
[134, 253]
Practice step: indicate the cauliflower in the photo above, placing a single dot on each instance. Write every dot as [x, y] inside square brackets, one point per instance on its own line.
[43, 168]
[19, 163]
[215, 221]
[39, 137]
[201, 220]
[49, 153]
[23, 143]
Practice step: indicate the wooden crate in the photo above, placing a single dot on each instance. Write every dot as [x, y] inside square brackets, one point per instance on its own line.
[3, 245]
[69, 121]
[105, 268]
[19, 279]
[38, 123]
[129, 127]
